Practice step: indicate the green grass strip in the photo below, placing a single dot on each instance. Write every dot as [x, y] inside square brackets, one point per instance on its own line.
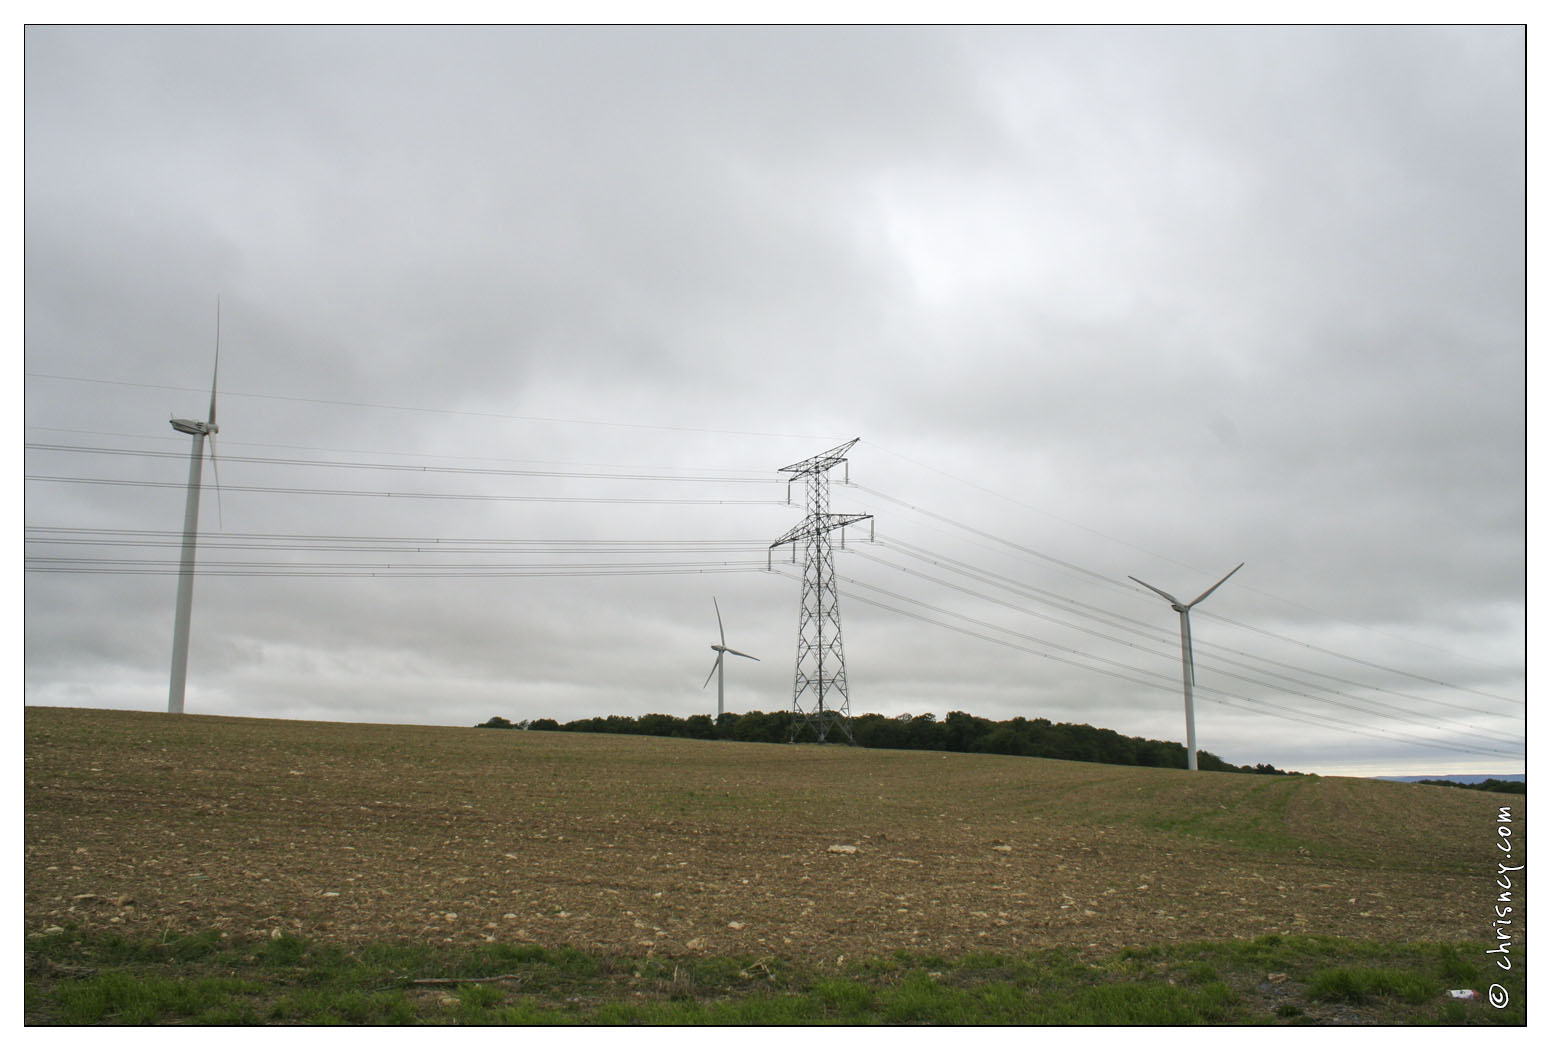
[76, 977]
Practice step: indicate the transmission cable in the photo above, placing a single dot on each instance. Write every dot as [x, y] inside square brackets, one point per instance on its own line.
[298, 491]
[1218, 696]
[1024, 549]
[413, 468]
[1118, 621]
[1356, 704]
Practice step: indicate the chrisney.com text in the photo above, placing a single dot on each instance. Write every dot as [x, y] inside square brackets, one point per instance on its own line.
[1510, 877]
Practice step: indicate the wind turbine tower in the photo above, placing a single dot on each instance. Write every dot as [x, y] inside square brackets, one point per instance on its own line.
[180, 624]
[1184, 608]
[821, 666]
[721, 652]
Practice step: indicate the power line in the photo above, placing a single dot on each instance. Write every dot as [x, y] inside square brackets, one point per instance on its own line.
[1152, 554]
[297, 491]
[1051, 559]
[1351, 703]
[1021, 548]
[1355, 703]
[412, 468]
[1030, 507]
[83, 536]
[422, 409]
[234, 444]
[213, 568]
[1358, 660]
[1128, 673]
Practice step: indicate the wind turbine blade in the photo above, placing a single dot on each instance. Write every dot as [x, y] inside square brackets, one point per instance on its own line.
[217, 370]
[215, 474]
[716, 664]
[1165, 594]
[1217, 585]
[737, 653]
[719, 621]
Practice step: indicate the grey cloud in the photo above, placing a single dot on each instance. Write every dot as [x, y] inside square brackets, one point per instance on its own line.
[1146, 301]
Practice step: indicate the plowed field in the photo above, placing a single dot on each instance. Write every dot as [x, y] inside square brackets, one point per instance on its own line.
[147, 822]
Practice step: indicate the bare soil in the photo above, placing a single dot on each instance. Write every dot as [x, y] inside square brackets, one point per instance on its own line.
[150, 823]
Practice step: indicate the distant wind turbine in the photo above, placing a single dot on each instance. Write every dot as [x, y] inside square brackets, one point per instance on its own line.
[1188, 656]
[721, 652]
[180, 625]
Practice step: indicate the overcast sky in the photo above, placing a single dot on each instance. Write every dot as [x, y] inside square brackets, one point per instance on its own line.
[1097, 302]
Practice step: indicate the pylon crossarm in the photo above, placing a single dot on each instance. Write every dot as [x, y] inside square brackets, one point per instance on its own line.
[823, 461]
[810, 527]
[792, 535]
[841, 521]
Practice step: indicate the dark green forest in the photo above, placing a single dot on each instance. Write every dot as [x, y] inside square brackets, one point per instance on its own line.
[959, 732]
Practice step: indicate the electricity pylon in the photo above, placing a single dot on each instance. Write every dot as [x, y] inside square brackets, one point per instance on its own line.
[821, 662]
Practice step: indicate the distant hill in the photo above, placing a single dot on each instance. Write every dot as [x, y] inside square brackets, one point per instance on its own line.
[1512, 784]
[1462, 779]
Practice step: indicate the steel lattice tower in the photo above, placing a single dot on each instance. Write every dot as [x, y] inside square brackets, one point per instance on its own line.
[821, 663]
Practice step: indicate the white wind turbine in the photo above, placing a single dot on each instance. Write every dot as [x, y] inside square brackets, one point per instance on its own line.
[1184, 608]
[180, 625]
[721, 652]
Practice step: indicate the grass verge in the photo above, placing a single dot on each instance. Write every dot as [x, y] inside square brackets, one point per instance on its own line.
[79, 977]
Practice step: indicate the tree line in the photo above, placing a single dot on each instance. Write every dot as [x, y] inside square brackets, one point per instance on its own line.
[959, 732]
[1491, 784]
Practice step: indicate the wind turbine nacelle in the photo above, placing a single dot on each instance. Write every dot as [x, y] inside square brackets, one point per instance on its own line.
[194, 427]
